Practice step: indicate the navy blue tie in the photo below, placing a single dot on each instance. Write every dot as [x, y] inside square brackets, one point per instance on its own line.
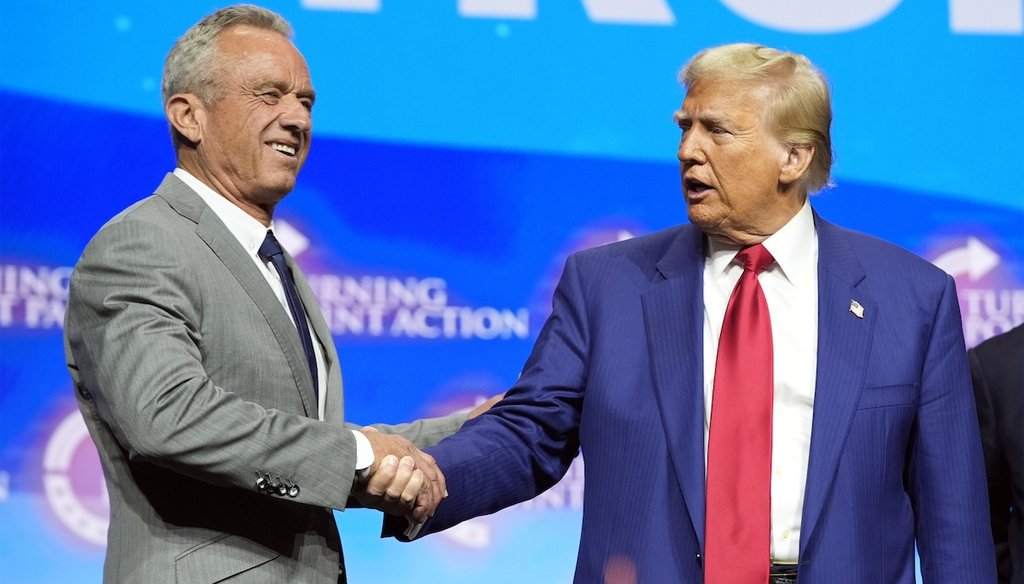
[271, 251]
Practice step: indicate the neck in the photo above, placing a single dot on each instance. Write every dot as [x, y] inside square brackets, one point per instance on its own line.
[263, 213]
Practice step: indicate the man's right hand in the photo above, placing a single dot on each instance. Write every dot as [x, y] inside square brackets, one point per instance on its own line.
[403, 480]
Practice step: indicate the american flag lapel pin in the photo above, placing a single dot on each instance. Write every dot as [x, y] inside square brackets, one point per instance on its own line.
[856, 309]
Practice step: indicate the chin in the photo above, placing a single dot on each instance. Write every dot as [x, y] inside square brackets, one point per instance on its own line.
[699, 219]
[273, 194]
[280, 187]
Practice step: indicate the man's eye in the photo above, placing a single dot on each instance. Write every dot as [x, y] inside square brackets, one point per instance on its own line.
[270, 96]
[308, 104]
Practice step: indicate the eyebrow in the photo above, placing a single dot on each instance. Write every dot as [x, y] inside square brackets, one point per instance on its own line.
[282, 86]
[706, 118]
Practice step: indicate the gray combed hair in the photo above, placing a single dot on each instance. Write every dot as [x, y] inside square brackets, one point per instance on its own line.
[191, 66]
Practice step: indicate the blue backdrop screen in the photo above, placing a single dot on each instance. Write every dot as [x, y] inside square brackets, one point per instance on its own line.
[462, 150]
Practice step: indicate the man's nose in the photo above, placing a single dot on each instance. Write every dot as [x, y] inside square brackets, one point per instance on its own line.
[296, 115]
[690, 151]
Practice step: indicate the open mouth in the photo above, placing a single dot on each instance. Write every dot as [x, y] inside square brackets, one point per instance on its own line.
[283, 148]
[695, 186]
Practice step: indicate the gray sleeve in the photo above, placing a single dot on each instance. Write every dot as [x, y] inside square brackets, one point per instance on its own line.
[425, 432]
[137, 347]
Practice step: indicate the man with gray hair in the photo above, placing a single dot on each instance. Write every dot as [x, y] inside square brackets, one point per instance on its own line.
[203, 367]
[760, 396]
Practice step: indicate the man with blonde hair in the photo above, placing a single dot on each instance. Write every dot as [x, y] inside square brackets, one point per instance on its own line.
[760, 395]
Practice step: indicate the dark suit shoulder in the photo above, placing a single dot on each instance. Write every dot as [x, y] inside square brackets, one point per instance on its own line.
[878, 245]
[650, 244]
[643, 251]
[638, 261]
[887, 265]
[1006, 347]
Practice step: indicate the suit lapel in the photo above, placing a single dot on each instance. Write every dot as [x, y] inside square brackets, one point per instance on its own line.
[212, 231]
[334, 405]
[673, 314]
[844, 344]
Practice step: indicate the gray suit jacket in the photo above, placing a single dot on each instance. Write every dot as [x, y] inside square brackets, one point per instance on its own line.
[191, 379]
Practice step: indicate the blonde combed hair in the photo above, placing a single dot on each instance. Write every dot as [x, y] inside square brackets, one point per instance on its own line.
[798, 109]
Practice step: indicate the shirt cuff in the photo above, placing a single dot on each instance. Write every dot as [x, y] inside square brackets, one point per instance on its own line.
[364, 455]
[413, 530]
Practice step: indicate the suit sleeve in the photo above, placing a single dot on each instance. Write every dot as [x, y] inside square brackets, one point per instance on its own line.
[946, 474]
[996, 464]
[425, 432]
[135, 349]
[526, 442]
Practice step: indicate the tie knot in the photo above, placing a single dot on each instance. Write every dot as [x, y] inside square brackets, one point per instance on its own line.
[270, 247]
[755, 258]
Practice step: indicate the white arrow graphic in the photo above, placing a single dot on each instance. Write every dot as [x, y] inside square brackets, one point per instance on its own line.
[975, 259]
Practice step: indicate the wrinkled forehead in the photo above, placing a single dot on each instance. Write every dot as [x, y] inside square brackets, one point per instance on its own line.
[243, 42]
[252, 52]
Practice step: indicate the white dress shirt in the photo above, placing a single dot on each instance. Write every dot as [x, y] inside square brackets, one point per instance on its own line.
[790, 287]
[250, 233]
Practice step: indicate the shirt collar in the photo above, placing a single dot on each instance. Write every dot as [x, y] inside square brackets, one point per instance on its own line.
[794, 247]
[246, 228]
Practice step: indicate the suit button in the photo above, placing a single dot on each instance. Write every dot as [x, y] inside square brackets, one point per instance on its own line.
[293, 491]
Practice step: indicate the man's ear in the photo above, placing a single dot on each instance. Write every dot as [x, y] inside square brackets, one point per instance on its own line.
[797, 161]
[185, 112]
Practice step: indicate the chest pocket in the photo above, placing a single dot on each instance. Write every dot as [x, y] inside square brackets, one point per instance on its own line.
[888, 396]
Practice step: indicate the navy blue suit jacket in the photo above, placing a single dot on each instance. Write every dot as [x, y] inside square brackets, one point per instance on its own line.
[617, 370]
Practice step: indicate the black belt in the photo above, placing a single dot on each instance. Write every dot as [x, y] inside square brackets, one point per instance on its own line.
[782, 574]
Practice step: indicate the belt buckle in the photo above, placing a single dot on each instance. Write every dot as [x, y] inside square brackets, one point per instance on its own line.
[782, 574]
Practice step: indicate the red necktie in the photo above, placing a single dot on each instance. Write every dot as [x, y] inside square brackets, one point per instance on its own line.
[738, 529]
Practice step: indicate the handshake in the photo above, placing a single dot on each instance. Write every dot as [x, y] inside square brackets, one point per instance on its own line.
[403, 480]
